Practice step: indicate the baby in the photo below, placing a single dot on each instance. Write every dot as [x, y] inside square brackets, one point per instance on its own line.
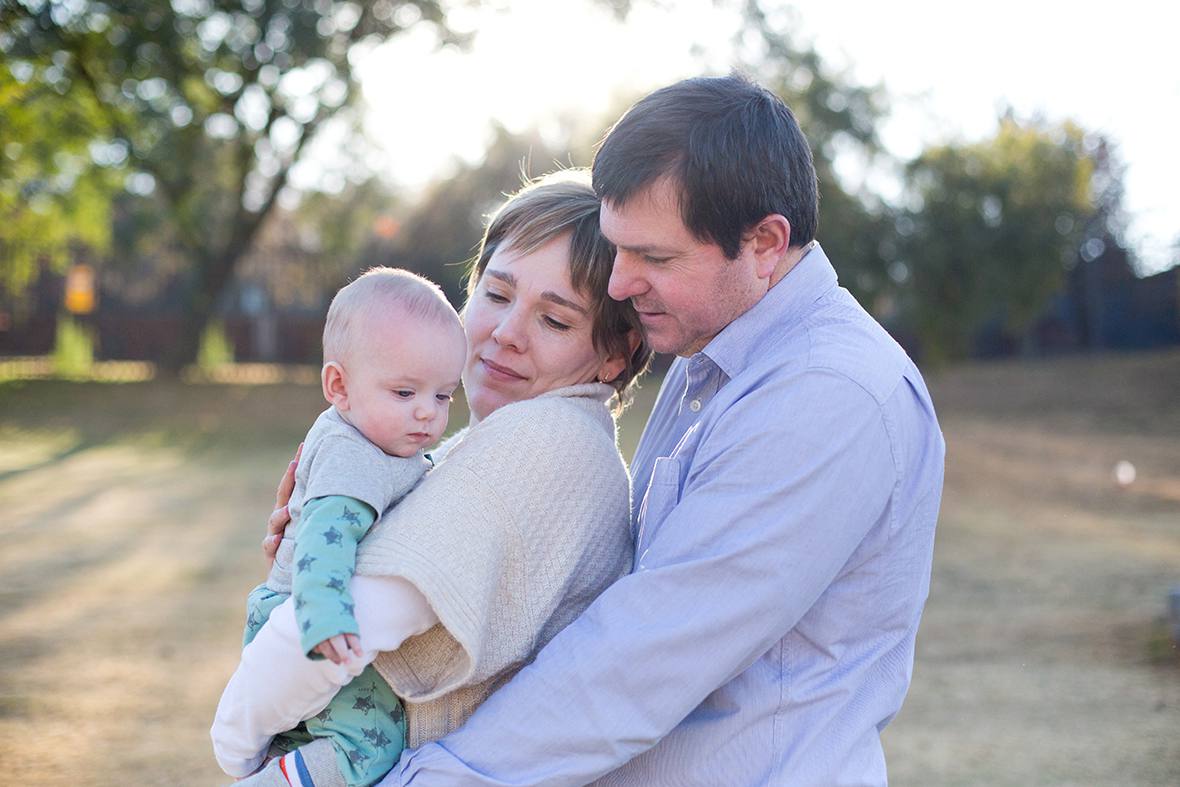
[393, 353]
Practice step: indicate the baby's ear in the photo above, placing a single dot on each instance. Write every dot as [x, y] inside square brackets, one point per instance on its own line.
[334, 384]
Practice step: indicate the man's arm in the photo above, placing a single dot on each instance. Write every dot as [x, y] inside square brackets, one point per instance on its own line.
[767, 518]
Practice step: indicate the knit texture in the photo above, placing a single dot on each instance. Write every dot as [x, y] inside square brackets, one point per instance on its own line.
[521, 526]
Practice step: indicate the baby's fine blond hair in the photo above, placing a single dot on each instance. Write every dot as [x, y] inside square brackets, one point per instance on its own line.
[381, 288]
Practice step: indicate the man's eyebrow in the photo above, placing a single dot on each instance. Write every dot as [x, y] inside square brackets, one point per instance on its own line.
[647, 248]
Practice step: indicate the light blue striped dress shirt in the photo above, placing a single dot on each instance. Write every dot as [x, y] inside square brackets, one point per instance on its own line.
[790, 475]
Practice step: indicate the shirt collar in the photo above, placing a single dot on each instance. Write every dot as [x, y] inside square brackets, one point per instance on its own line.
[811, 278]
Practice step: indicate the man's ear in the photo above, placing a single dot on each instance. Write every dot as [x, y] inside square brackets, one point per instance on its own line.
[771, 240]
[334, 385]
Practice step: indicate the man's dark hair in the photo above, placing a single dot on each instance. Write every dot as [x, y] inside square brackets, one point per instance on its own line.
[732, 148]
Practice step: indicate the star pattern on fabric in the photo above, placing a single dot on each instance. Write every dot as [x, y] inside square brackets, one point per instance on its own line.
[364, 705]
[325, 715]
[333, 536]
[304, 563]
[337, 584]
[348, 608]
[350, 516]
[356, 756]
[306, 626]
[376, 737]
[397, 715]
[299, 603]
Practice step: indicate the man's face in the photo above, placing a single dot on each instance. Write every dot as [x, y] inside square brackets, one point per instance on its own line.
[685, 290]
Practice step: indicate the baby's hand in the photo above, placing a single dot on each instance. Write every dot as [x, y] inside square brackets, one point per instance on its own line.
[340, 648]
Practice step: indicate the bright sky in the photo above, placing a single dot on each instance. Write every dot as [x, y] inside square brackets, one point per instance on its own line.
[949, 68]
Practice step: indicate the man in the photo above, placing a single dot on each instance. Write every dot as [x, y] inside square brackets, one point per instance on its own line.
[790, 477]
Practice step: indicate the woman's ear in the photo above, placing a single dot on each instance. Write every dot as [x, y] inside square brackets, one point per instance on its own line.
[334, 385]
[614, 365]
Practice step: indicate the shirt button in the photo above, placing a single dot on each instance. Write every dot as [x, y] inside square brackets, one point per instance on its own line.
[695, 405]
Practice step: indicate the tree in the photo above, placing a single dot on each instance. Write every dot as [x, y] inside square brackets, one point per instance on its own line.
[840, 118]
[207, 105]
[53, 194]
[992, 230]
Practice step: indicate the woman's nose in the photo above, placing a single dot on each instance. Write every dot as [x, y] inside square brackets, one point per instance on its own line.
[510, 331]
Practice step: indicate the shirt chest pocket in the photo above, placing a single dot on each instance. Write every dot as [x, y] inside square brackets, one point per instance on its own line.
[663, 493]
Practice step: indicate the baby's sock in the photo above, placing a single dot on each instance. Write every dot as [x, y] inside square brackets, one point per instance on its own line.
[313, 765]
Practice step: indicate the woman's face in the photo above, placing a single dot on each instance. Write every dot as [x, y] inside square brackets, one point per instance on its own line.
[528, 330]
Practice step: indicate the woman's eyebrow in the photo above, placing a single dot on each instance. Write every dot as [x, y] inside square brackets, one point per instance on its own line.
[550, 295]
[547, 295]
[503, 276]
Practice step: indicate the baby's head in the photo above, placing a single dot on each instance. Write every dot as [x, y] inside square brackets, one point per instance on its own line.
[393, 353]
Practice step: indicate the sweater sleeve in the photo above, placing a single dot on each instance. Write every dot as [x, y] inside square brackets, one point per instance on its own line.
[496, 539]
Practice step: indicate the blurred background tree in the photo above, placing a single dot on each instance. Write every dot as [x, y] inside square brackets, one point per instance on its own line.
[206, 106]
[154, 141]
[991, 231]
[55, 180]
[841, 120]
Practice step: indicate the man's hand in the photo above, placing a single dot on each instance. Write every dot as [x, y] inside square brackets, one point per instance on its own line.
[277, 522]
[340, 648]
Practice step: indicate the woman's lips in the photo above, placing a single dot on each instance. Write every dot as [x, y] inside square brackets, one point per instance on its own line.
[498, 372]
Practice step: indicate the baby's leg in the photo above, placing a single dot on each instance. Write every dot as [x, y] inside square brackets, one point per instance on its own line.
[276, 686]
[366, 726]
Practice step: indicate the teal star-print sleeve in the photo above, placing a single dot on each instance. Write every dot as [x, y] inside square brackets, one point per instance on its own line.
[325, 558]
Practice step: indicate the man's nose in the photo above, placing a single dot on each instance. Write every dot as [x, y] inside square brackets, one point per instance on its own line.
[623, 282]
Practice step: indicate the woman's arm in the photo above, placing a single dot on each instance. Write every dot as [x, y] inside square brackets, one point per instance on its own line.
[277, 522]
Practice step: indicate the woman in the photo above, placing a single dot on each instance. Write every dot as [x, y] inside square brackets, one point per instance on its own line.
[526, 518]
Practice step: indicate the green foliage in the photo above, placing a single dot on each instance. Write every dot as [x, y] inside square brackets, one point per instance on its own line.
[209, 103]
[73, 349]
[53, 193]
[216, 349]
[993, 230]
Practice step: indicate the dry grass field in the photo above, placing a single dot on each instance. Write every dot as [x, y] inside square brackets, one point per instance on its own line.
[132, 514]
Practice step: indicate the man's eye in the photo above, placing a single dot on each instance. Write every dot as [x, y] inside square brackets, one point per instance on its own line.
[655, 260]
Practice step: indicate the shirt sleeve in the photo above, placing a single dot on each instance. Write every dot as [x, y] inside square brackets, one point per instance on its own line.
[766, 518]
[325, 559]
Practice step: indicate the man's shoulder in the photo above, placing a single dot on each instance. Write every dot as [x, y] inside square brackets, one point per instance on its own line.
[846, 341]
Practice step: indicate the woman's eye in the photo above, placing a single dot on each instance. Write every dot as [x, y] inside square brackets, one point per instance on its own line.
[495, 297]
[556, 325]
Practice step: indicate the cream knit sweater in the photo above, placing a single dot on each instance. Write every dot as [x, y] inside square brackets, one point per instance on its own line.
[523, 523]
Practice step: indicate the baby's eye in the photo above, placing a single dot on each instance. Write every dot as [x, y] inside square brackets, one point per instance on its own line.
[443, 397]
[403, 393]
